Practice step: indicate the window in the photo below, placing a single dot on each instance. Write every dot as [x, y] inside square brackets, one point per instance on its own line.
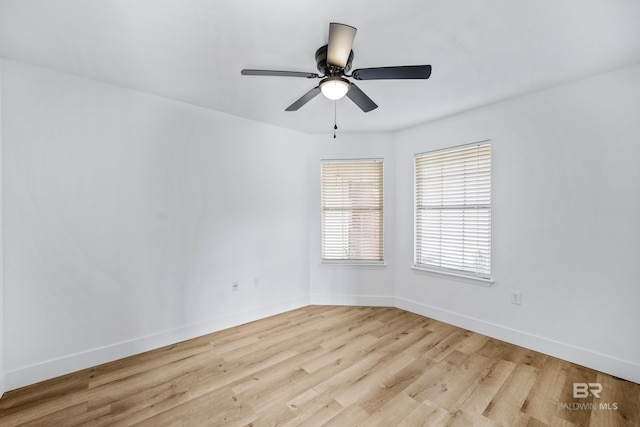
[453, 210]
[352, 210]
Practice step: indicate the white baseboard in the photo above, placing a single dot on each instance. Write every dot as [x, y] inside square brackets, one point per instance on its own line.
[53, 368]
[2, 383]
[608, 364]
[27, 375]
[362, 300]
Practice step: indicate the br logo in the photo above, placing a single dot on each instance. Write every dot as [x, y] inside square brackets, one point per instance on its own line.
[582, 390]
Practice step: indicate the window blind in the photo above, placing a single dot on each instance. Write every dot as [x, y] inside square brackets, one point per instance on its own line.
[453, 210]
[352, 210]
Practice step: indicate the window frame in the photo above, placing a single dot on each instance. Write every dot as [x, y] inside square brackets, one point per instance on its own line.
[484, 278]
[381, 243]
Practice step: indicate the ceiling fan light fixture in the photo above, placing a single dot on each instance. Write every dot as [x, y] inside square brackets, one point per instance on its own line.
[334, 88]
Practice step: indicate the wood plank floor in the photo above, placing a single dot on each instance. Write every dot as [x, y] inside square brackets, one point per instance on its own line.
[335, 366]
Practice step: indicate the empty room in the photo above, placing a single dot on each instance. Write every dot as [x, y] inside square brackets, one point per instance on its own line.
[245, 213]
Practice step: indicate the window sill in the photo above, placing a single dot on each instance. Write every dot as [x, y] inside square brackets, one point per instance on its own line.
[455, 276]
[370, 265]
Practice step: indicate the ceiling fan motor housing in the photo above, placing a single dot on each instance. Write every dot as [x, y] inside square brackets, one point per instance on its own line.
[329, 70]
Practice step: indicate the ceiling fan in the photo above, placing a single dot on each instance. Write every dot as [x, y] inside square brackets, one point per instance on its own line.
[334, 62]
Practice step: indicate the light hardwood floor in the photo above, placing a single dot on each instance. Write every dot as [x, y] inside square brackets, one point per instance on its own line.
[336, 366]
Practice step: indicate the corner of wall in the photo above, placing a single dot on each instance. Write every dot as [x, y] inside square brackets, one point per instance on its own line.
[353, 300]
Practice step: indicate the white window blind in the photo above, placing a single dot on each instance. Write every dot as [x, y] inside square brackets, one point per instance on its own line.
[453, 210]
[352, 210]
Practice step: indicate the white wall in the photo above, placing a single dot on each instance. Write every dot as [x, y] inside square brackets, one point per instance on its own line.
[128, 216]
[2, 375]
[352, 285]
[566, 206]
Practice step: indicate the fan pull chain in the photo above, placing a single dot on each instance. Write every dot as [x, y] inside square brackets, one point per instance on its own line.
[335, 126]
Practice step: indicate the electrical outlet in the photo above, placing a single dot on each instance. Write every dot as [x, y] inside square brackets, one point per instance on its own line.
[234, 285]
[516, 298]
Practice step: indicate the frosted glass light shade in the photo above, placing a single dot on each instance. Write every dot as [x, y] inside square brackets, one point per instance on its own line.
[334, 87]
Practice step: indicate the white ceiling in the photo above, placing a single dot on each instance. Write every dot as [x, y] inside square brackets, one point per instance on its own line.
[481, 51]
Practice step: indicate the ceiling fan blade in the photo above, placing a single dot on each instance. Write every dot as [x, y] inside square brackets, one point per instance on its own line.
[304, 99]
[247, 72]
[401, 72]
[361, 99]
[340, 42]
